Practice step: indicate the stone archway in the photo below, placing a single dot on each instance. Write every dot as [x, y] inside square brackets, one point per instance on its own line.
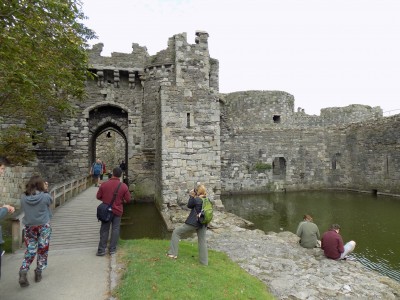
[111, 147]
[108, 132]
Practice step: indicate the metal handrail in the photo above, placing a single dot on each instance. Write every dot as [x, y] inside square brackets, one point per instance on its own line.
[60, 194]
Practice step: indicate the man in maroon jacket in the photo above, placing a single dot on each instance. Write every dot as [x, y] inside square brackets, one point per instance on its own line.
[332, 244]
[105, 194]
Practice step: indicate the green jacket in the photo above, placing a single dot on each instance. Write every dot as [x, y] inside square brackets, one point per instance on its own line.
[308, 233]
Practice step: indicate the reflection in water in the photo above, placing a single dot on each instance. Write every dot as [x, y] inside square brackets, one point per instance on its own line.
[142, 220]
[369, 220]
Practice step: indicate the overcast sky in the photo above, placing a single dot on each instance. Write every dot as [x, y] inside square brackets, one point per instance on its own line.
[325, 53]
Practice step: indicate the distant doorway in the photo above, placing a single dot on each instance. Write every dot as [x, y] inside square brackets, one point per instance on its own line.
[279, 168]
[110, 148]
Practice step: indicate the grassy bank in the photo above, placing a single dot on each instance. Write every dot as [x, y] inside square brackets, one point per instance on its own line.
[149, 274]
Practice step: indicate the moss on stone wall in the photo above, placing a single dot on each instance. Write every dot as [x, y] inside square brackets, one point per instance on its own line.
[262, 167]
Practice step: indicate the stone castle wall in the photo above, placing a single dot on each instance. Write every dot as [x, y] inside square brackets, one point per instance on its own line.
[266, 146]
[174, 129]
[189, 141]
[372, 157]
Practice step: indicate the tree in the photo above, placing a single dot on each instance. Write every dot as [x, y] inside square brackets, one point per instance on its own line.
[43, 67]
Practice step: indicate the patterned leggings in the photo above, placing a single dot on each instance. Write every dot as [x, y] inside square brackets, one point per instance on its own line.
[37, 240]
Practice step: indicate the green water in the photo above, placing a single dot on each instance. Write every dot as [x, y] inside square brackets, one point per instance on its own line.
[371, 221]
[142, 220]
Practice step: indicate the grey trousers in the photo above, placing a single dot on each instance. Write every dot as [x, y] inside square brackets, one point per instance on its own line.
[201, 238]
[104, 233]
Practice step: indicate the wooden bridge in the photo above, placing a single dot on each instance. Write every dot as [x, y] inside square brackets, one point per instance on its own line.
[75, 225]
[74, 270]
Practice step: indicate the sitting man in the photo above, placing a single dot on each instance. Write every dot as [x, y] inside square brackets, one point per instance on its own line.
[308, 233]
[332, 244]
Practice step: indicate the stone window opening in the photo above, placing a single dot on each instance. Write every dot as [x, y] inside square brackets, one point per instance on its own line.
[69, 138]
[109, 76]
[335, 161]
[277, 119]
[387, 165]
[279, 168]
[188, 123]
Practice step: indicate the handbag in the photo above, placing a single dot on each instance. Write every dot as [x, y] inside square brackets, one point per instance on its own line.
[104, 210]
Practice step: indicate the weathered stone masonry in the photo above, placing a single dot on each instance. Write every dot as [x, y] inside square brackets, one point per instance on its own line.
[302, 151]
[178, 129]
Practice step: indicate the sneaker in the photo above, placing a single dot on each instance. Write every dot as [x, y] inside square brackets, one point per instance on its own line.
[23, 280]
[100, 253]
[350, 258]
[112, 252]
[38, 275]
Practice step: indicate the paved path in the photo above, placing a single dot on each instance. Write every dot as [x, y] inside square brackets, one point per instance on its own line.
[74, 271]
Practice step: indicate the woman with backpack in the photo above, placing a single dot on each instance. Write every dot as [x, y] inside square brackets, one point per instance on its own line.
[36, 205]
[96, 170]
[192, 224]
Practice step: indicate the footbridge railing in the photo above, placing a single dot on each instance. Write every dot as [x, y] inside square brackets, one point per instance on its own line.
[60, 193]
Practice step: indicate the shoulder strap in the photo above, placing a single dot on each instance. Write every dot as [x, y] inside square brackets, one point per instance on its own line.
[115, 194]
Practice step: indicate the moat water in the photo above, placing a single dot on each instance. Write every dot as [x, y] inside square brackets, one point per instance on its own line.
[142, 220]
[372, 221]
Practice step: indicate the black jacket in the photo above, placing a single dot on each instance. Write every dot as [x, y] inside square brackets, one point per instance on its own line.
[195, 204]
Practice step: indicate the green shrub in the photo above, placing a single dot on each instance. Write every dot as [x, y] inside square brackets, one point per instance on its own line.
[261, 167]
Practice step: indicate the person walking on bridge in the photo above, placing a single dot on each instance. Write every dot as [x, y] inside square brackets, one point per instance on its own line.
[36, 205]
[96, 170]
[105, 194]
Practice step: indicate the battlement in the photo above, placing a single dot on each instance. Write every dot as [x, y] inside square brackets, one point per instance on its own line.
[181, 64]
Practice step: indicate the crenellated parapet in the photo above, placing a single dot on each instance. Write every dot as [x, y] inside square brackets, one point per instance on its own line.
[192, 61]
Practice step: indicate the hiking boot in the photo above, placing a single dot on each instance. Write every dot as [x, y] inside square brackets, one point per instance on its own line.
[38, 275]
[23, 280]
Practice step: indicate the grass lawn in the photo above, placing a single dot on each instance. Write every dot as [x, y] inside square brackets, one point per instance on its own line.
[149, 274]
